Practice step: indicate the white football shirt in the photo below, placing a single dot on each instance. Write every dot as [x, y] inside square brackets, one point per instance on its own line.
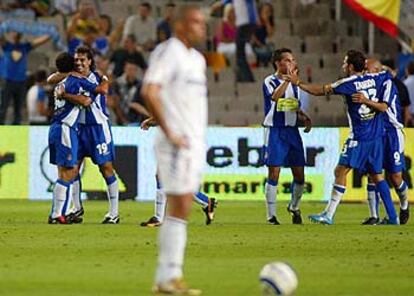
[181, 73]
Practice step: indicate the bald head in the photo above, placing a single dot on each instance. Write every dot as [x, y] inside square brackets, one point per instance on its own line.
[190, 25]
[373, 66]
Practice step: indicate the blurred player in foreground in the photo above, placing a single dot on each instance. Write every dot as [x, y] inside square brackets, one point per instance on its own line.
[283, 143]
[208, 204]
[176, 93]
[394, 160]
[367, 96]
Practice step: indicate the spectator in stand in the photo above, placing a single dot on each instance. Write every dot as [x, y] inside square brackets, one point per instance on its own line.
[15, 54]
[37, 101]
[409, 83]
[143, 27]
[108, 39]
[164, 29]
[65, 7]
[246, 19]
[128, 52]
[225, 37]
[264, 30]
[129, 107]
[84, 26]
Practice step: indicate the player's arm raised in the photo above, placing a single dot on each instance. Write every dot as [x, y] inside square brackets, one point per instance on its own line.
[280, 90]
[314, 89]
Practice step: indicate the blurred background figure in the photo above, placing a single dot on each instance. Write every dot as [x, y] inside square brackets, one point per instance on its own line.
[128, 51]
[164, 27]
[143, 26]
[225, 37]
[129, 107]
[83, 27]
[264, 30]
[14, 62]
[37, 100]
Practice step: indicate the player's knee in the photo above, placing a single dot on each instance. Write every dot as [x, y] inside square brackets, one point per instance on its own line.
[273, 174]
[106, 170]
[338, 172]
[396, 180]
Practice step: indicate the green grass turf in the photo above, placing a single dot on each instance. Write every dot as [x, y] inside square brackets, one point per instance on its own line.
[222, 259]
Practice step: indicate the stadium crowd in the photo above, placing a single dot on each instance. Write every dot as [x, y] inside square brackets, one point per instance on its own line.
[123, 42]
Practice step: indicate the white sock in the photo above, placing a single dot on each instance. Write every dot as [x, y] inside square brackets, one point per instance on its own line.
[297, 191]
[113, 195]
[160, 204]
[270, 193]
[76, 194]
[60, 194]
[372, 201]
[172, 240]
[336, 195]
[402, 192]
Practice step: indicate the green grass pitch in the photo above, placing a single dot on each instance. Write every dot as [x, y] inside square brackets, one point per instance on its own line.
[222, 259]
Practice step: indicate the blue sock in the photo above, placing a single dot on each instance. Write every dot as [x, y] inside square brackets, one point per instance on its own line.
[385, 194]
[110, 180]
[201, 199]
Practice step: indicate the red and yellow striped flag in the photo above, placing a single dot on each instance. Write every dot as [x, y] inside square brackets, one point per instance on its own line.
[385, 14]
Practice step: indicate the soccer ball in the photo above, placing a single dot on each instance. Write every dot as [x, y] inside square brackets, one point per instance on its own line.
[278, 278]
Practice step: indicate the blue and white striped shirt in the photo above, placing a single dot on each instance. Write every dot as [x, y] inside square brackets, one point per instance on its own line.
[273, 118]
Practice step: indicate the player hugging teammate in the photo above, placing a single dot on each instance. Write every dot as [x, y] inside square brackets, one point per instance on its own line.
[80, 128]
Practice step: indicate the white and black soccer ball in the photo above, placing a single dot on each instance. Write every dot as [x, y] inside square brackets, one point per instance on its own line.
[278, 278]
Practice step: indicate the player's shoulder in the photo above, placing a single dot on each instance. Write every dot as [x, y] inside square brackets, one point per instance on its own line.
[343, 81]
[270, 79]
[270, 82]
[169, 46]
[383, 75]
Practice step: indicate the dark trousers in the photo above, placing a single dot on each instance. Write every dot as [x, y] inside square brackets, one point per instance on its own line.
[243, 35]
[15, 91]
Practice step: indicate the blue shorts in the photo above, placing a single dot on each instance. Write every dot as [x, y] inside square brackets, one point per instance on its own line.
[365, 156]
[283, 147]
[96, 142]
[394, 160]
[63, 145]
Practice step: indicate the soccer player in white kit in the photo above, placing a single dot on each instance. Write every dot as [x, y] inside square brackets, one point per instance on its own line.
[176, 93]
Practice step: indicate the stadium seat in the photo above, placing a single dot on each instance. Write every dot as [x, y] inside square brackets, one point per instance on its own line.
[292, 42]
[319, 44]
[305, 27]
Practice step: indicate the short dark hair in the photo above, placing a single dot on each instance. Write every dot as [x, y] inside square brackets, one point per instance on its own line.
[131, 37]
[357, 59]
[131, 61]
[64, 62]
[40, 76]
[147, 5]
[277, 55]
[170, 4]
[410, 68]
[89, 54]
